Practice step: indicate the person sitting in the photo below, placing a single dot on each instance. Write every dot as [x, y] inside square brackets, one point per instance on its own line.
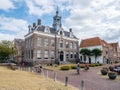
[86, 66]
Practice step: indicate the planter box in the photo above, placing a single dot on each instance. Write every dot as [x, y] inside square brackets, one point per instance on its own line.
[104, 72]
[112, 76]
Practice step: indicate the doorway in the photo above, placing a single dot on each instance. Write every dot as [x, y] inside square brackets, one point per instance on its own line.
[61, 56]
[89, 60]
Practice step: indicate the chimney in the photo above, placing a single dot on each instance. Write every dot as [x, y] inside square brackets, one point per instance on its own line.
[70, 29]
[34, 24]
[29, 27]
[39, 22]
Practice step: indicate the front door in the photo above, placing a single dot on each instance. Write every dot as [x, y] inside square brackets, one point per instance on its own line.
[89, 60]
[61, 56]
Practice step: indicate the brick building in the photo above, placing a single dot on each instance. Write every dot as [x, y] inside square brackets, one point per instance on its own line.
[45, 44]
[19, 48]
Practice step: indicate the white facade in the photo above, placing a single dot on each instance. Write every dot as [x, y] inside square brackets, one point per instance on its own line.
[92, 58]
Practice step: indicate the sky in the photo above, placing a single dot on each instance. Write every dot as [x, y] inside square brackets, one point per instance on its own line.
[87, 18]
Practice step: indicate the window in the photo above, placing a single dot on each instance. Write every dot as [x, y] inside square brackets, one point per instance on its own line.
[67, 54]
[53, 43]
[31, 54]
[75, 46]
[80, 57]
[75, 55]
[52, 55]
[61, 32]
[71, 54]
[71, 45]
[46, 42]
[46, 55]
[67, 45]
[47, 29]
[39, 41]
[39, 54]
[31, 41]
[61, 44]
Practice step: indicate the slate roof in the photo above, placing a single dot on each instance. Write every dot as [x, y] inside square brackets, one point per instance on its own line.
[52, 30]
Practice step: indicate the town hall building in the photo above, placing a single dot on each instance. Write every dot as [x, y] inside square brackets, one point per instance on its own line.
[45, 44]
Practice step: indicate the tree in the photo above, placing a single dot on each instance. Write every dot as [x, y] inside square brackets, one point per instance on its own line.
[85, 52]
[6, 50]
[96, 52]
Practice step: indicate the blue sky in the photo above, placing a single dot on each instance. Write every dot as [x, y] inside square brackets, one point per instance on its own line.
[87, 18]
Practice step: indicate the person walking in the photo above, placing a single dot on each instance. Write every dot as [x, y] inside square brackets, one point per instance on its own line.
[78, 68]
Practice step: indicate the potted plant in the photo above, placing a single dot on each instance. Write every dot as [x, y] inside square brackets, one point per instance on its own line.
[112, 75]
[111, 68]
[104, 72]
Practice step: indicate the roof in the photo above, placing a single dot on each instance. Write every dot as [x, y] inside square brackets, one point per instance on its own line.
[114, 44]
[53, 31]
[19, 42]
[95, 41]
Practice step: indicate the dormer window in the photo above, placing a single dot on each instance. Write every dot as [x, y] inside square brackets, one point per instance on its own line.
[71, 34]
[47, 29]
[61, 32]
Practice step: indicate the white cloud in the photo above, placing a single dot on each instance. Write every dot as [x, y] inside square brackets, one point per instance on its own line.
[6, 5]
[88, 18]
[6, 37]
[40, 7]
[14, 28]
[99, 18]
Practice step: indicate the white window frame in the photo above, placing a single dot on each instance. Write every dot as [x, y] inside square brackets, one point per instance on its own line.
[39, 41]
[39, 56]
[46, 54]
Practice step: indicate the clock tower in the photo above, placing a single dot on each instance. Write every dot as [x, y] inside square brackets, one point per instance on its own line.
[57, 21]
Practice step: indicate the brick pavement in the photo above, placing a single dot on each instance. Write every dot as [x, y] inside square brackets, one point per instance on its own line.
[92, 80]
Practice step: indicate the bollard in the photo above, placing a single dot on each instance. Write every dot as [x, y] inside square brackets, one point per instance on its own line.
[47, 73]
[43, 73]
[29, 69]
[82, 85]
[66, 80]
[54, 76]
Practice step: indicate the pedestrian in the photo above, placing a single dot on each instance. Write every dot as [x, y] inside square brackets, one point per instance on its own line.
[78, 68]
[86, 66]
[41, 69]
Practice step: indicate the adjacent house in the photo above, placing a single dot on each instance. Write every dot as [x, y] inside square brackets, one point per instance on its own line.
[46, 44]
[19, 48]
[116, 51]
[109, 51]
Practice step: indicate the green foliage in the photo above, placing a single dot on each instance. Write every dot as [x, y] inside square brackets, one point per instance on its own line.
[6, 50]
[96, 64]
[74, 67]
[112, 75]
[100, 64]
[85, 51]
[104, 72]
[96, 52]
[92, 65]
[105, 68]
[82, 66]
[65, 68]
